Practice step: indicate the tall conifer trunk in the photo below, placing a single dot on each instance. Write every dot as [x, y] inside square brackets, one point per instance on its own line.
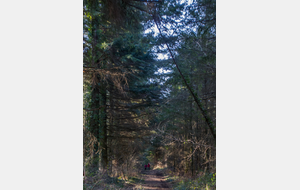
[103, 126]
[95, 97]
[94, 122]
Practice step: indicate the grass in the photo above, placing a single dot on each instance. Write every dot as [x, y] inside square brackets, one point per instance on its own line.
[135, 180]
[205, 182]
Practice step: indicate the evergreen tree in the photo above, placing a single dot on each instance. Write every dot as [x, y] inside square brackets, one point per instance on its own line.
[117, 67]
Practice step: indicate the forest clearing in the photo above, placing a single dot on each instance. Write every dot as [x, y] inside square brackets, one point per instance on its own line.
[149, 94]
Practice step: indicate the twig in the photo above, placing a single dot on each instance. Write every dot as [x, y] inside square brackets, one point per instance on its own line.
[98, 180]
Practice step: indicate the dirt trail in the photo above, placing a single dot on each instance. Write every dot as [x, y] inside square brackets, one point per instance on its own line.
[154, 179]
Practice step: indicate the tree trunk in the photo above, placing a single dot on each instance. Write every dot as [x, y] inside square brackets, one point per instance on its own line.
[94, 123]
[103, 126]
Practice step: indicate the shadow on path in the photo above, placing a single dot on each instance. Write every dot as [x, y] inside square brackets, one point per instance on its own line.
[154, 179]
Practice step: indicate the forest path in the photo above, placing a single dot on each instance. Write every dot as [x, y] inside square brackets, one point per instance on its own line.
[155, 179]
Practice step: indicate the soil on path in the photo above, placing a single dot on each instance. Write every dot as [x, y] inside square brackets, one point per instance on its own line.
[154, 179]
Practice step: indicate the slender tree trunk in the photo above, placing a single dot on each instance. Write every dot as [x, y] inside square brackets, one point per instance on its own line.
[103, 126]
[94, 123]
[191, 126]
[174, 158]
[95, 94]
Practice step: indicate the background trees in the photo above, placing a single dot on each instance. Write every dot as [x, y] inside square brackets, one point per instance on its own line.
[188, 121]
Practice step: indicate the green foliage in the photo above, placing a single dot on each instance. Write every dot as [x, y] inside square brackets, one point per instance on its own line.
[172, 178]
[206, 182]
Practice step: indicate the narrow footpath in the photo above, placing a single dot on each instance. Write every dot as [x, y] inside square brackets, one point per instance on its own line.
[154, 179]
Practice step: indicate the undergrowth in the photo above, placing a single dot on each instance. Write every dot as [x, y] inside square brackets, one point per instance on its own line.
[113, 183]
[205, 182]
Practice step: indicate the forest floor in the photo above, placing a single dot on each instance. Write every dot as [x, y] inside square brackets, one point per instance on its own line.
[146, 180]
[154, 179]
